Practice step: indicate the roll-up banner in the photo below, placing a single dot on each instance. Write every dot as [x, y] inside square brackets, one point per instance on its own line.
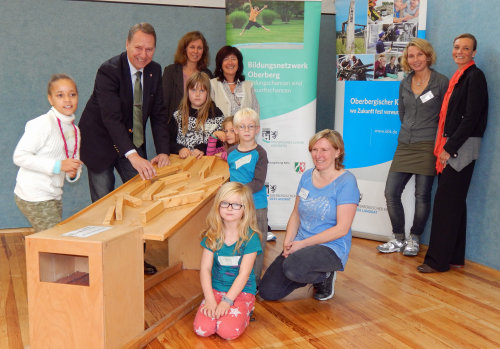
[371, 37]
[280, 54]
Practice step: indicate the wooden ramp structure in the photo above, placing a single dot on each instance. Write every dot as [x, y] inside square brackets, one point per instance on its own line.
[169, 211]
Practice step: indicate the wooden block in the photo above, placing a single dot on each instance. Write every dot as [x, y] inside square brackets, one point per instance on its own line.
[152, 189]
[151, 212]
[206, 168]
[196, 187]
[179, 177]
[131, 200]
[177, 186]
[188, 162]
[119, 208]
[138, 187]
[165, 193]
[183, 199]
[213, 180]
[110, 215]
[167, 170]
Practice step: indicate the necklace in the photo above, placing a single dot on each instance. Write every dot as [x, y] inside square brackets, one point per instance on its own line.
[231, 83]
[64, 139]
[422, 81]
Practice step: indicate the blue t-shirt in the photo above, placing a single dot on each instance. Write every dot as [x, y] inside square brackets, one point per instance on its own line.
[250, 167]
[318, 209]
[227, 262]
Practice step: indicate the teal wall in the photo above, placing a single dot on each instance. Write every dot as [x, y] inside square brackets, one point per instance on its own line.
[41, 37]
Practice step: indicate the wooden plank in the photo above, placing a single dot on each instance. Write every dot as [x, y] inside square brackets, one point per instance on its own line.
[196, 187]
[183, 199]
[177, 186]
[165, 193]
[161, 275]
[151, 212]
[178, 177]
[119, 208]
[188, 163]
[206, 169]
[152, 189]
[110, 215]
[136, 188]
[166, 322]
[167, 170]
[217, 179]
[131, 201]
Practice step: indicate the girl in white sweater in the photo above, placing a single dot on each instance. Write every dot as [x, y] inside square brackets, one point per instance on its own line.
[48, 152]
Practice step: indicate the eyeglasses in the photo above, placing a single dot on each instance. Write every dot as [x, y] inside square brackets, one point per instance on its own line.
[247, 127]
[234, 205]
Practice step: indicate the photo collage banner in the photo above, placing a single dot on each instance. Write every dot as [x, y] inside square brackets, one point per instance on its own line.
[370, 38]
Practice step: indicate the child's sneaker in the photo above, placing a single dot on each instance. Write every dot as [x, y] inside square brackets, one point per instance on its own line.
[271, 236]
[394, 245]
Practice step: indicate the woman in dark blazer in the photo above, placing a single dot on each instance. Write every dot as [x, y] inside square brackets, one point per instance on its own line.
[462, 123]
[191, 56]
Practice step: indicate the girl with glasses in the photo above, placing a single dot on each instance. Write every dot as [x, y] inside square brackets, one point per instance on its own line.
[230, 245]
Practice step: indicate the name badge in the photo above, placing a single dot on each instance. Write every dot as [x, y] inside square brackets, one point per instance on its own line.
[240, 94]
[426, 97]
[231, 261]
[303, 193]
[243, 161]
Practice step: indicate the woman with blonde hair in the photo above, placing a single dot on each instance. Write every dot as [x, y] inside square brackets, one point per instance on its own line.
[318, 233]
[420, 97]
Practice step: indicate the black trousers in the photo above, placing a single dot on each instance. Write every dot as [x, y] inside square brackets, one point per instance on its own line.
[449, 219]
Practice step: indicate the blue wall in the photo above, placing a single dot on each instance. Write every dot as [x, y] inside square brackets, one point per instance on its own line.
[445, 20]
[47, 36]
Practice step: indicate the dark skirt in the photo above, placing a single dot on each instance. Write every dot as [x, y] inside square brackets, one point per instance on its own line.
[417, 158]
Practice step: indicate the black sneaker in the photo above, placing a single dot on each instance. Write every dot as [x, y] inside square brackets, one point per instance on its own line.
[326, 289]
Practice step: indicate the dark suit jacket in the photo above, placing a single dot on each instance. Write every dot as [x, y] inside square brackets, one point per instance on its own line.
[107, 120]
[173, 87]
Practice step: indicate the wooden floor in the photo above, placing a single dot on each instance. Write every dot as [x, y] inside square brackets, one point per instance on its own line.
[380, 301]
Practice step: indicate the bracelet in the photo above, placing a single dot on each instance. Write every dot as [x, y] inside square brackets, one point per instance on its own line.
[227, 300]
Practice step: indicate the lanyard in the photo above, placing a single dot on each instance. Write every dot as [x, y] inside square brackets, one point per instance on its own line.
[64, 139]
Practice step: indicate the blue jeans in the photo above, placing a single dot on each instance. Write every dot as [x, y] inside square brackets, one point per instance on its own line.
[308, 265]
[102, 183]
[396, 182]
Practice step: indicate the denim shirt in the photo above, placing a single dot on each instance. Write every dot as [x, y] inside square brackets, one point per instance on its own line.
[419, 120]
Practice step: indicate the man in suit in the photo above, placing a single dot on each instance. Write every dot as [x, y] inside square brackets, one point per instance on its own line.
[113, 122]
